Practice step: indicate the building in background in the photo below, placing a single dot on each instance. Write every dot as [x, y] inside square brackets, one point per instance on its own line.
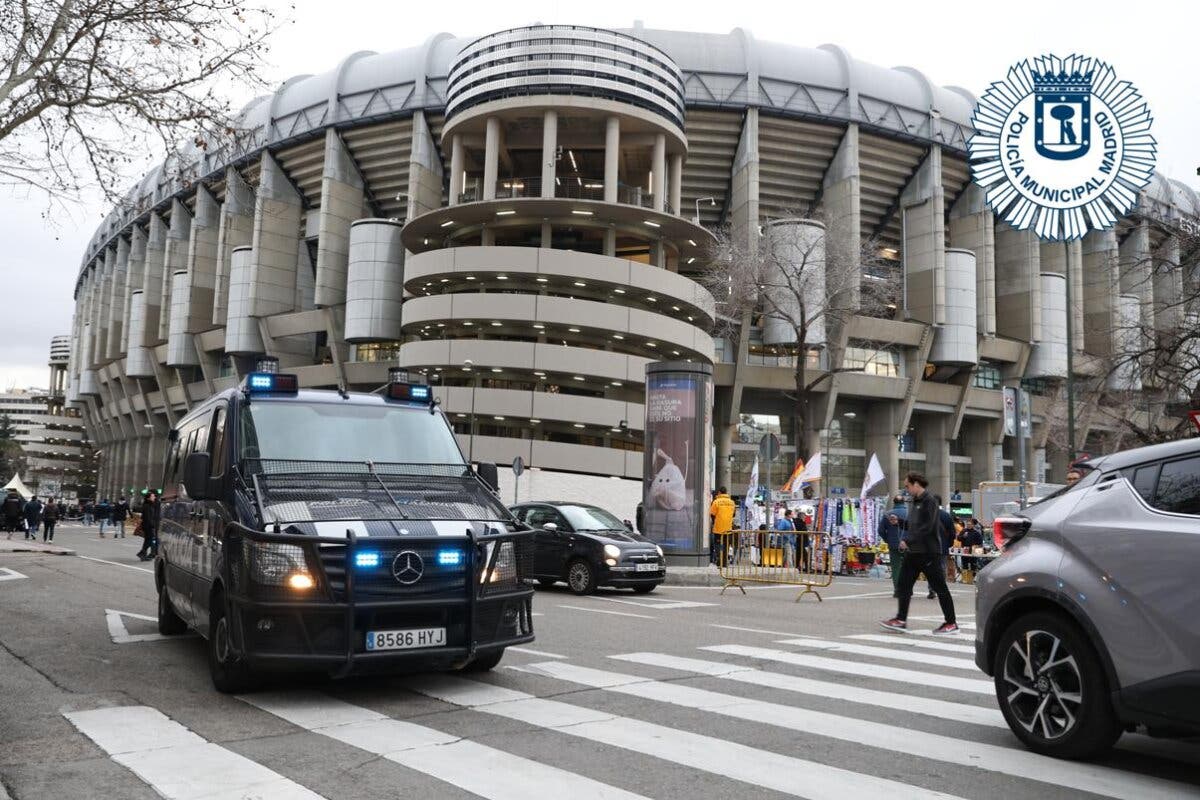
[525, 216]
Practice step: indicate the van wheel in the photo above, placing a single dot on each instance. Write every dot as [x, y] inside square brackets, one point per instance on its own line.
[581, 577]
[484, 663]
[1052, 690]
[229, 673]
[169, 623]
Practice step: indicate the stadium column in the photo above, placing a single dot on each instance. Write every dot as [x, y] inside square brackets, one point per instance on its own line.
[277, 212]
[99, 313]
[922, 205]
[425, 170]
[972, 227]
[1100, 287]
[456, 168]
[880, 438]
[491, 157]
[152, 285]
[116, 300]
[1136, 270]
[135, 272]
[932, 433]
[676, 184]
[175, 253]
[612, 165]
[659, 167]
[841, 198]
[197, 303]
[341, 204]
[1018, 284]
[549, 148]
[1168, 286]
[235, 229]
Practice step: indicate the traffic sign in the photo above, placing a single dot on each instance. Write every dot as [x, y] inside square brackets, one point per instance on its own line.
[518, 466]
[768, 447]
[1195, 415]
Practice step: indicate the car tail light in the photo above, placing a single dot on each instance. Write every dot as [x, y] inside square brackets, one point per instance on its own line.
[1006, 530]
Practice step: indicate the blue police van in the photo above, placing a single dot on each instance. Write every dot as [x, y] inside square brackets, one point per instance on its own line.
[336, 532]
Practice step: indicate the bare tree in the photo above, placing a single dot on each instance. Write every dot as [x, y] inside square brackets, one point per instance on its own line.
[91, 87]
[787, 276]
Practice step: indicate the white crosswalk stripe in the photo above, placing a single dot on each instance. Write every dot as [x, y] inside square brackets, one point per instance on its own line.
[786, 774]
[1100, 780]
[873, 671]
[904, 641]
[477, 768]
[883, 652]
[178, 763]
[939, 709]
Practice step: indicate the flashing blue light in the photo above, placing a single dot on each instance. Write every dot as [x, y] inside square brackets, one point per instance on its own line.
[262, 381]
[366, 558]
[419, 392]
[449, 558]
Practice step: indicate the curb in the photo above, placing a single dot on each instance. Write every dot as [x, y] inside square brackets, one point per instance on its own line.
[33, 547]
[692, 576]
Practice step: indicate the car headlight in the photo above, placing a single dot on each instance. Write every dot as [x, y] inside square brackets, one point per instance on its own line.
[275, 564]
[612, 551]
[659, 549]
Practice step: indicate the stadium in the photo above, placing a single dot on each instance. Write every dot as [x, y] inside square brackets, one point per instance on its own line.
[525, 218]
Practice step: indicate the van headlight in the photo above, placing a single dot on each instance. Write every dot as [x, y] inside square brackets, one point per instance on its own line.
[273, 564]
[612, 551]
[659, 549]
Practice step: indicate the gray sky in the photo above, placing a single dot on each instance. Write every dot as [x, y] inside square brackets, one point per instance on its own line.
[963, 44]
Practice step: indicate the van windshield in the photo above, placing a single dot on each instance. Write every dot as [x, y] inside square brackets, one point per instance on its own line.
[299, 431]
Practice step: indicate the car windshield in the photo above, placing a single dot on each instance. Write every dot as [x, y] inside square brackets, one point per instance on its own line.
[1089, 477]
[590, 518]
[343, 431]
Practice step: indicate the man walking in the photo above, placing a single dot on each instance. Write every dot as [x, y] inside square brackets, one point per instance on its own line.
[150, 519]
[120, 512]
[33, 517]
[103, 514]
[86, 509]
[890, 531]
[922, 546]
[721, 511]
[785, 529]
[49, 519]
[10, 510]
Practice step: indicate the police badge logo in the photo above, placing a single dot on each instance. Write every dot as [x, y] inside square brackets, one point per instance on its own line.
[1062, 146]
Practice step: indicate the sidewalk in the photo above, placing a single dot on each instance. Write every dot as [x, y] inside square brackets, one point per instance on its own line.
[693, 576]
[23, 545]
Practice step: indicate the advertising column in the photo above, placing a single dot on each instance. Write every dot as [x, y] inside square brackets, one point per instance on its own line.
[675, 487]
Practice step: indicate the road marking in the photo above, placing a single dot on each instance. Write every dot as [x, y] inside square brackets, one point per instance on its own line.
[754, 630]
[470, 766]
[905, 641]
[888, 593]
[527, 651]
[117, 564]
[874, 671]
[892, 739]
[7, 574]
[884, 652]
[652, 602]
[121, 635]
[939, 709]
[177, 763]
[606, 611]
[751, 765]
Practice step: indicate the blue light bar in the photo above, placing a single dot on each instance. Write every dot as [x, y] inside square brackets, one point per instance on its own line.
[449, 558]
[366, 558]
[271, 383]
[419, 392]
[262, 382]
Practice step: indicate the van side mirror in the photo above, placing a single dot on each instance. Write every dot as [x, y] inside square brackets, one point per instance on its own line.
[489, 475]
[195, 475]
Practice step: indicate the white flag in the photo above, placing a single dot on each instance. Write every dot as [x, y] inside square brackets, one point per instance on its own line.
[874, 475]
[811, 471]
[752, 490]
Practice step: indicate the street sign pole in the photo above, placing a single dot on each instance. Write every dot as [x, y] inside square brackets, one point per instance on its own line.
[518, 466]
[768, 449]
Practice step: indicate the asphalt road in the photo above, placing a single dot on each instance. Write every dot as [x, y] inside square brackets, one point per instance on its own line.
[681, 694]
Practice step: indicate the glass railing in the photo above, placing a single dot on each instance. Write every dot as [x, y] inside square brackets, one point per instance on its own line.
[566, 187]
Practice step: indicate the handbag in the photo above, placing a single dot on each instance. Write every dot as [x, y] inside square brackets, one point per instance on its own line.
[137, 529]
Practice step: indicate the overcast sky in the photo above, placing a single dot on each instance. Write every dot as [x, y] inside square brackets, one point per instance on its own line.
[1152, 44]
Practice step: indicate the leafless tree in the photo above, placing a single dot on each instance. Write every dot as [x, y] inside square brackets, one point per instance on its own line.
[786, 274]
[89, 88]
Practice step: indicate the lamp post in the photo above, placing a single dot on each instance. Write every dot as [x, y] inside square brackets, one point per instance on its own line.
[712, 201]
[474, 385]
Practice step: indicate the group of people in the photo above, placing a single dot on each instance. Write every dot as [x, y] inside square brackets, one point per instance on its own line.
[26, 516]
[116, 514]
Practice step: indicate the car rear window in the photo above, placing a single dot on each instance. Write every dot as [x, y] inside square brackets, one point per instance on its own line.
[1179, 487]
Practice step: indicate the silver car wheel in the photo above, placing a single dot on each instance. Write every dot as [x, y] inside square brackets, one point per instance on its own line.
[221, 640]
[579, 577]
[1045, 687]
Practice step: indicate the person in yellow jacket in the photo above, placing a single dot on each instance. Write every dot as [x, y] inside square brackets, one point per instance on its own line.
[721, 511]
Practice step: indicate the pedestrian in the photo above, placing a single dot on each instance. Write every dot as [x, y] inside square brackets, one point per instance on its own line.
[103, 514]
[890, 530]
[946, 535]
[786, 530]
[120, 513]
[922, 547]
[86, 508]
[49, 519]
[150, 518]
[33, 517]
[721, 513]
[972, 536]
[10, 512]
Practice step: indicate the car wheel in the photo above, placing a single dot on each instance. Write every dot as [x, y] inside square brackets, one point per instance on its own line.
[1052, 690]
[645, 588]
[169, 622]
[546, 582]
[229, 673]
[484, 663]
[581, 577]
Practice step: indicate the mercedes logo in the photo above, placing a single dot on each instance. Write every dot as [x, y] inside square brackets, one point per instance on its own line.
[407, 567]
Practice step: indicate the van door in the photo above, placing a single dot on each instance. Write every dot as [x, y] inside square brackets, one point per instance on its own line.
[173, 528]
[211, 520]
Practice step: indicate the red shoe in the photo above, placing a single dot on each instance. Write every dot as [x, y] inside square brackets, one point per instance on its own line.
[894, 624]
[946, 629]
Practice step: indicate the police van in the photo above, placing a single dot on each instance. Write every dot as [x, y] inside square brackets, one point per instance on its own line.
[337, 532]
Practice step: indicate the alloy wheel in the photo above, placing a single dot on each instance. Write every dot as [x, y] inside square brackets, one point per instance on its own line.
[579, 577]
[1044, 686]
[221, 640]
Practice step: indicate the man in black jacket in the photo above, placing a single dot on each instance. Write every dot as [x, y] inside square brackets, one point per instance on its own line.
[922, 546]
[151, 514]
[10, 511]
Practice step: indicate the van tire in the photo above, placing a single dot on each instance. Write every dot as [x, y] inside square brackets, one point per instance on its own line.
[169, 622]
[230, 674]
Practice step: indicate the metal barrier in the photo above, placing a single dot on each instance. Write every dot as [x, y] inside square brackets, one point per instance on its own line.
[797, 559]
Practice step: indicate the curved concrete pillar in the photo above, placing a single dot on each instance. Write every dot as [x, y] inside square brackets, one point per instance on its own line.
[242, 336]
[137, 363]
[1049, 357]
[800, 261]
[181, 351]
[375, 285]
[954, 342]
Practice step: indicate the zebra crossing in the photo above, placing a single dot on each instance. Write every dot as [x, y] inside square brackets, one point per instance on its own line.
[698, 718]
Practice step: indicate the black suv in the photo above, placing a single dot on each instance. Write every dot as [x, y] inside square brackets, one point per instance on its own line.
[587, 547]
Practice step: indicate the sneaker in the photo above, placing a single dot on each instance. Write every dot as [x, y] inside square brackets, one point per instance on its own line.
[894, 624]
[930, 596]
[946, 629]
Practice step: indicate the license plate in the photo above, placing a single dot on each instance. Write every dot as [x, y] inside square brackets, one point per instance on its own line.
[406, 640]
[647, 568]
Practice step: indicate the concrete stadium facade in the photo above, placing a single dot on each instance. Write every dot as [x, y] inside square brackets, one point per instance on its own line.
[524, 217]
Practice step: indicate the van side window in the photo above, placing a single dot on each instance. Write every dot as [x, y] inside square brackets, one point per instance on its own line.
[217, 449]
[172, 462]
[1179, 487]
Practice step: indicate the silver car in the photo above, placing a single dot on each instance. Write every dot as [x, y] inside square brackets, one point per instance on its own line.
[1089, 622]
